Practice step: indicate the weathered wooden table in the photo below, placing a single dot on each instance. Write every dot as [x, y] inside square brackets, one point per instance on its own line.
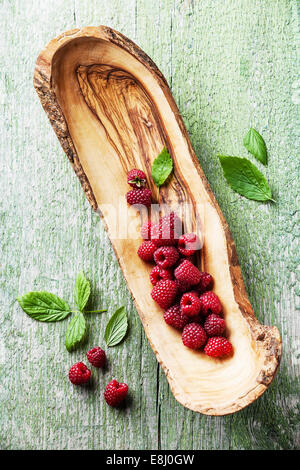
[231, 64]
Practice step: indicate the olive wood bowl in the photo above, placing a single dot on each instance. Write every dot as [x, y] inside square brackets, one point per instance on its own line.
[112, 110]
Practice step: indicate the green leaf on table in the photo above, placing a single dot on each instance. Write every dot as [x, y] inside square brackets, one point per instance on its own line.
[255, 144]
[76, 331]
[82, 291]
[162, 167]
[116, 327]
[245, 178]
[44, 306]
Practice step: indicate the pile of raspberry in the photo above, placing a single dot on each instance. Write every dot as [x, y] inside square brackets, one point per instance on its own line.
[184, 292]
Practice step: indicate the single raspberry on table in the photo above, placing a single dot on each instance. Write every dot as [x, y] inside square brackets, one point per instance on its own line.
[187, 272]
[146, 250]
[166, 256]
[218, 346]
[96, 356]
[190, 304]
[164, 293]
[188, 244]
[214, 325]
[194, 336]
[115, 393]
[139, 196]
[158, 274]
[146, 230]
[210, 303]
[79, 374]
[182, 286]
[205, 284]
[174, 317]
[136, 178]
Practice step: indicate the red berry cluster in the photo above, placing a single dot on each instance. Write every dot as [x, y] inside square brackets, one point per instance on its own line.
[139, 194]
[79, 374]
[181, 289]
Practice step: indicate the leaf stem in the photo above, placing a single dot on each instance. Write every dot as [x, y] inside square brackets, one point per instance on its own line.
[96, 311]
[89, 311]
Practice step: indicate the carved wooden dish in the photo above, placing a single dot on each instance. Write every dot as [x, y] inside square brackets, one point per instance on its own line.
[112, 111]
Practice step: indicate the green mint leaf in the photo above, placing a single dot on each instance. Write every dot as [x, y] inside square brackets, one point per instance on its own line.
[82, 291]
[76, 332]
[116, 327]
[162, 167]
[43, 306]
[245, 178]
[255, 144]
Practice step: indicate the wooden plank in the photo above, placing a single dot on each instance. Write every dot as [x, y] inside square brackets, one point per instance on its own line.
[231, 65]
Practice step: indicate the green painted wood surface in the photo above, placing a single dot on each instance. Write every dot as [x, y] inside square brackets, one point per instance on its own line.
[231, 64]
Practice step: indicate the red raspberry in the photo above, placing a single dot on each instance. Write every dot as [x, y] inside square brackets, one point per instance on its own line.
[210, 303]
[166, 256]
[160, 238]
[164, 293]
[159, 274]
[183, 258]
[174, 317]
[79, 374]
[115, 393]
[187, 272]
[190, 304]
[188, 244]
[154, 233]
[146, 250]
[171, 225]
[205, 284]
[96, 357]
[139, 196]
[146, 230]
[136, 178]
[167, 231]
[214, 325]
[218, 346]
[194, 336]
[182, 286]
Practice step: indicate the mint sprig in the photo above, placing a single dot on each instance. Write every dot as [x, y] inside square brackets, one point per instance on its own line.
[242, 175]
[162, 167]
[82, 291]
[76, 332]
[116, 328]
[44, 306]
[245, 178]
[255, 144]
[47, 307]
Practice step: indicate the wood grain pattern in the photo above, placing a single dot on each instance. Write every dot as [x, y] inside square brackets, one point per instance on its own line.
[230, 65]
[115, 108]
